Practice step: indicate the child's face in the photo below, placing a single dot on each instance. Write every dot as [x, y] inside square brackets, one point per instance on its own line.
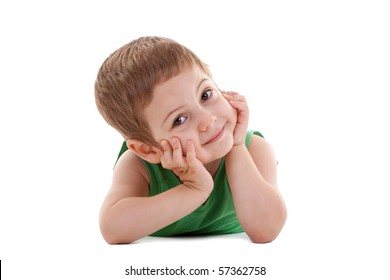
[191, 107]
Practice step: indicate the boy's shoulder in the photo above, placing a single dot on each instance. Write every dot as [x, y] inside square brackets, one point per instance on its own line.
[129, 164]
[128, 180]
[252, 134]
[255, 141]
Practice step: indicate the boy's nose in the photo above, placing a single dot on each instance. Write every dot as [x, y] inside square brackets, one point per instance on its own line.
[206, 120]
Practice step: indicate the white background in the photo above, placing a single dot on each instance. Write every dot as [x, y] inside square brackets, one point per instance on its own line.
[316, 74]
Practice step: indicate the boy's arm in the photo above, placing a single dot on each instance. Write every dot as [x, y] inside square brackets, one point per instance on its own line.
[252, 178]
[127, 214]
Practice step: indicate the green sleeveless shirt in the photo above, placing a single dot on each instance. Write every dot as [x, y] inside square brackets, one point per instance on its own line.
[215, 216]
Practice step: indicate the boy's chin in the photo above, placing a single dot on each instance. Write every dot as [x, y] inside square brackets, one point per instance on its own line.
[222, 151]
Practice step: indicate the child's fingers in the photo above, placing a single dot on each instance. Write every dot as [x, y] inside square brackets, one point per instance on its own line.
[236, 100]
[229, 93]
[233, 96]
[191, 155]
[177, 153]
[166, 147]
[239, 103]
[166, 157]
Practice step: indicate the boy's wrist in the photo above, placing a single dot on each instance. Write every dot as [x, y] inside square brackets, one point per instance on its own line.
[201, 193]
[237, 148]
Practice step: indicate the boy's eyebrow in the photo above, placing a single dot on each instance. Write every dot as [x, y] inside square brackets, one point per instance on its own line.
[178, 108]
[204, 79]
[171, 112]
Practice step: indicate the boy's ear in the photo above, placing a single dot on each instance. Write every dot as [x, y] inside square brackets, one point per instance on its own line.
[146, 152]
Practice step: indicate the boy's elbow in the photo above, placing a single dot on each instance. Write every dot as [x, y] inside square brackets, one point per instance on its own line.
[114, 241]
[112, 234]
[263, 237]
[108, 234]
[271, 233]
[110, 240]
[113, 238]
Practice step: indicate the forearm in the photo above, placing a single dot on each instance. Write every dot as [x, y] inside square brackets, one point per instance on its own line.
[135, 217]
[259, 206]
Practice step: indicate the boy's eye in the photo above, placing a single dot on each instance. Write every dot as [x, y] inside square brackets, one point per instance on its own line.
[180, 120]
[206, 95]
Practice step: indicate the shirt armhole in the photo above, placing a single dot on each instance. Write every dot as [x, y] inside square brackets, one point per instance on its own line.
[122, 150]
[249, 135]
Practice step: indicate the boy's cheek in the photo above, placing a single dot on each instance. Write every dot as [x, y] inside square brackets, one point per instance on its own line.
[230, 107]
[233, 113]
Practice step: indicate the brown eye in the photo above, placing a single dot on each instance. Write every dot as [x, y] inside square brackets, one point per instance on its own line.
[206, 95]
[180, 120]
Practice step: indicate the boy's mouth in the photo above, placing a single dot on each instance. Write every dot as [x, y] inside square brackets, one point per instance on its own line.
[216, 136]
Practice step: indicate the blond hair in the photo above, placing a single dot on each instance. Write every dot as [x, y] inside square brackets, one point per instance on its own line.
[125, 82]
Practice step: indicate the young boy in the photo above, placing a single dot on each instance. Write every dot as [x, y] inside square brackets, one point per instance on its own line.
[188, 166]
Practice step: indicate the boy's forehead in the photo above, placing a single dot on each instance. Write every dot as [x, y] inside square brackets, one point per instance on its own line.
[177, 91]
[187, 79]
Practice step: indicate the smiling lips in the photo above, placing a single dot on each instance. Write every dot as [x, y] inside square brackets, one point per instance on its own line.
[216, 136]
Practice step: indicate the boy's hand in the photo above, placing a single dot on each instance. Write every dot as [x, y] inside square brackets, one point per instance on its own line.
[189, 169]
[238, 102]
